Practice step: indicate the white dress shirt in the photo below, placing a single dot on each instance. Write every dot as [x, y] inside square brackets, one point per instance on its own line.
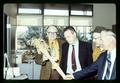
[69, 59]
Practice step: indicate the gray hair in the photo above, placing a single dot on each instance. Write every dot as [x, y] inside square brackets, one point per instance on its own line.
[108, 33]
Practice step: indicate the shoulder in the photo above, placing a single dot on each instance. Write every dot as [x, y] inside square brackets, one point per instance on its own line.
[65, 44]
[85, 43]
[103, 55]
[61, 41]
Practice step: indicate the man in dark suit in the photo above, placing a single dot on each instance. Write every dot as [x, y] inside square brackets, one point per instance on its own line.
[105, 65]
[80, 49]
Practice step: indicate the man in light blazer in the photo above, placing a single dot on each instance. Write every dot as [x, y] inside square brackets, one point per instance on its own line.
[99, 67]
[83, 52]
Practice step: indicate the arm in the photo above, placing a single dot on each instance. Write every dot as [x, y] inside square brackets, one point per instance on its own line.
[86, 72]
[63, 62]
[39, 59]
[90, 70]
[41, 46]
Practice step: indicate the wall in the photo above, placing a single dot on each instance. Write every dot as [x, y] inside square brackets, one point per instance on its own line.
[104, 15]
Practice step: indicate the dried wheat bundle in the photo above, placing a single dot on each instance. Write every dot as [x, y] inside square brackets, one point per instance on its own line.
[42, 46]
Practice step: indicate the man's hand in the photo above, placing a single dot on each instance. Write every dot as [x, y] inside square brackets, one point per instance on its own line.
[44, 58]
[69, 77]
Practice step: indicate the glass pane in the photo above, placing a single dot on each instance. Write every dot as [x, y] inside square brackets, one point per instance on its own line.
[77, 12]
[56, 20]
[88, 29]
[29, 20]
[89, 13]
[56, 12]
[24, 33]
[84, 33]
[29, 11]
[80, 21]
[24, 51]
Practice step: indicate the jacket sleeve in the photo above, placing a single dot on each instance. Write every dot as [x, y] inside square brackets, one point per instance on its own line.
[39, 59]
[88, 71]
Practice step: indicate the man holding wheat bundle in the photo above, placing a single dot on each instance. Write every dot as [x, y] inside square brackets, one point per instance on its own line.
[50, 54]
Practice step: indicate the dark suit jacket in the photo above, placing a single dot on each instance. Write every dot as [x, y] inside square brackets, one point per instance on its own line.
[96, 68]
[85, 55]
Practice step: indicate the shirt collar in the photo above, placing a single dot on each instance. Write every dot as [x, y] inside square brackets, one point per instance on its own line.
[113, 53]
[76, 42]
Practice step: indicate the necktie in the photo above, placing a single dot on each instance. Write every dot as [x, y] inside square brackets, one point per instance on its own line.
[108, 67]
[52, 50]
[73, 59]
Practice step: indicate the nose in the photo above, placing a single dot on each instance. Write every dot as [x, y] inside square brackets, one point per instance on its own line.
[93, 39]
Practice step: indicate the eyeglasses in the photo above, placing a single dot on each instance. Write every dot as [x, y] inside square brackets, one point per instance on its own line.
[52, 32]
[96, 38]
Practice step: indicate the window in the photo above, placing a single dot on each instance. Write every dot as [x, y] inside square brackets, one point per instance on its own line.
[73, 12]
[56, 12]
[29, 8]
[29, 11]
[81, 9]
[81, 20]
[29, 20]
[83, 26]
[23, 35]
[89, 13]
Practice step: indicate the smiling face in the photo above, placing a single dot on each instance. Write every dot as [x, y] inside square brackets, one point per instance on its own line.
[70, 36]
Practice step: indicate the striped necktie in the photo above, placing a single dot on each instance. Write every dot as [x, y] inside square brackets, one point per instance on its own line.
[108, 67]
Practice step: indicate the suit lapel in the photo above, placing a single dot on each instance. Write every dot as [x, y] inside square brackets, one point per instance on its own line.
[80, 53]
[103, 66]
[60, 50]
[113, 76]
[66, 55]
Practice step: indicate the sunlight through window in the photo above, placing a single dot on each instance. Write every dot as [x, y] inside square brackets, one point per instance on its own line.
[56, 12]
[77, 13]
[29, 11]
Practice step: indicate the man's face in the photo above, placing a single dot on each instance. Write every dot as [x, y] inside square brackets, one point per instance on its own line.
[97, 39]
[52, 33]
[105, 41]
[70, 36]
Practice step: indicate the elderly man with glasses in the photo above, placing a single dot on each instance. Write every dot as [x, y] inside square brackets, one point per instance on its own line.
[48, 71]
